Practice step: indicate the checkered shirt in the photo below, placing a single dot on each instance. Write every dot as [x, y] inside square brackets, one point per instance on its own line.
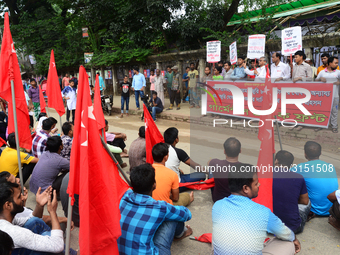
[141, 216]
[39, 143]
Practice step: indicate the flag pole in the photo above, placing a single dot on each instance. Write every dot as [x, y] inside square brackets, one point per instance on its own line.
[115, 160]
[61, 126]
[68, 227]
[17, 136]
[278, 132]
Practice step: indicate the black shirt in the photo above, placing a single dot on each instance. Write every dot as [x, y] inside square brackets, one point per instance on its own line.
[158, 102]
[125, 89]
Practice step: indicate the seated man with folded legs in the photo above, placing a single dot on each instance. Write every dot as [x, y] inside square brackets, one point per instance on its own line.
[149, 226]
[334, 217]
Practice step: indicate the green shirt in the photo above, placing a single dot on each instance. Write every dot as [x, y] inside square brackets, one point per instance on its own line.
[169, 77]
[217, 77]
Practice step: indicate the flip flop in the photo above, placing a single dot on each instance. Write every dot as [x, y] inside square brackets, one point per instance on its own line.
[334, 130]
[187, 233]
[311, 215]
[317, 129]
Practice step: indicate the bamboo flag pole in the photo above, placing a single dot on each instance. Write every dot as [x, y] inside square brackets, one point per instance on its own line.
[17, 136]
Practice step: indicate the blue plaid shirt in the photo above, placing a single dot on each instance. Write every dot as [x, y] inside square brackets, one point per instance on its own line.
[141, 216]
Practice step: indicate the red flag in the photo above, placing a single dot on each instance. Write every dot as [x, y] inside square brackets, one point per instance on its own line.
[2, 142]
[97, 105]
[205, 238]
[201, 185]
[54, 98]
[9, 70]
[42, 101]
[95, 177]
[267, 150]
[152, 135]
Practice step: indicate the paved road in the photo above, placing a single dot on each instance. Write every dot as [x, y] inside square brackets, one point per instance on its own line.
[206, 143]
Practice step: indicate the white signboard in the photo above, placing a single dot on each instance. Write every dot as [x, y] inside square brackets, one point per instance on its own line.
[32, 59]
[213, 51]
[256, 45]
[291, 40]
[88, 57]
[233, 53]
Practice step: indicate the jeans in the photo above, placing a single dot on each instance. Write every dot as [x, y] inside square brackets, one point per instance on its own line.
[194, 96]
[155, 110]
[165, 234]
[68, 114]
[137, 93]
[37, 226]
[193, 177]
[303, 211]
[125, 99]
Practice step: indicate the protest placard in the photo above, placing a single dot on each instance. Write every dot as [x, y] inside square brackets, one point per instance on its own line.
[213, 51]
[233, 53]
[256, 46]
[291, 40]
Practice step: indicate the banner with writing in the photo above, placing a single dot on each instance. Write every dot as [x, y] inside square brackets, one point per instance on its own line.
[319, 105]
[213, 51]
[256, 46]
[291, 40]
[233, 53]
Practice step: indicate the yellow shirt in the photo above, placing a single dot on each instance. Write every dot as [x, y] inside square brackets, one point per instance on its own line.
[166, 180]
[9, 160]
[320, 68]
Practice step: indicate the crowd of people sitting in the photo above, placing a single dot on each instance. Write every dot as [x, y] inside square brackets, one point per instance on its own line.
[154, 211]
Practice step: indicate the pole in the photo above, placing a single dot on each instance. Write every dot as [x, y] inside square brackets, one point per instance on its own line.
[116, 162]
[17, 136]
[68, 228]
[278, 132]
[61, 126]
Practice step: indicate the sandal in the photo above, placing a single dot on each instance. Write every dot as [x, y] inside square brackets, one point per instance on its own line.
[311, 215]
[317, 129]
[334, 130]
[187, 233]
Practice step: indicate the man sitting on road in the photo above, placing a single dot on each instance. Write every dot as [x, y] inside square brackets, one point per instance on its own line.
[51, 168]
[167, 180]
[39, 141]
[149, 226]
[137, 151]
[67, 139]
[157, 105]
[26, 241]
[334, 217]
[9, 160]
[240, 225]
[232, 149]
[176, 156]
[290, 198]
[320, 177]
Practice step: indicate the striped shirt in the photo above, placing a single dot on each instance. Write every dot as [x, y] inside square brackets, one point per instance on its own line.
[39, 143]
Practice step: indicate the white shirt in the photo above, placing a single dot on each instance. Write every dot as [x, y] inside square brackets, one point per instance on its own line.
[337, 194]
[331, 77]
[226, 75]
[280, 70]
[262, 72]
[70, 92]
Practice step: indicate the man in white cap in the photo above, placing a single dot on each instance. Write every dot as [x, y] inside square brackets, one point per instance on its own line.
[176, 89]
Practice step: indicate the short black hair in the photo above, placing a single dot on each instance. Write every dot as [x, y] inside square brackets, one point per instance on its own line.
[4, 176]
[142, 178]
[238, 178]
[284, 158]
[219, 68]
[187, 68]
[241, 57]
[54, 120]
[168, 67]
[98, 73]
[136, 69]
[125, 76]
[67, 127]
[6, 243]
[192, 63]
[232, 147]
[220, 62]
[33, 80]
[331, 59]
[325, 55]
[47, 124]
[106, 122]
[42, 114]
[142, 131]
[6, 193]
[53, 143]
[228, 62]
[71, 81]
[300, 53]
[11, 140]
[170, 135]
[278, 55]
[154, 93]
[312, 150]
[159, 151]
